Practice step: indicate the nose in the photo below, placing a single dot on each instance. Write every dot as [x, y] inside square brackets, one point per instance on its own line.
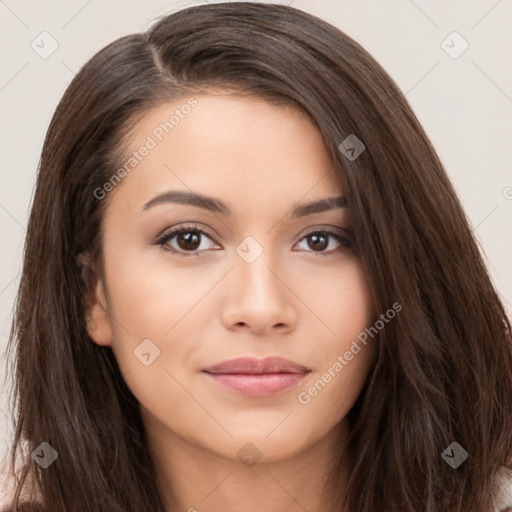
[258, 298]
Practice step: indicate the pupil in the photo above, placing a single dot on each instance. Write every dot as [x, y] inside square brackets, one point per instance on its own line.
[315, 239]
[188, 239]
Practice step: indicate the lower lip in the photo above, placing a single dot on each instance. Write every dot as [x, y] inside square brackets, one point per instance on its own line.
[265, 384]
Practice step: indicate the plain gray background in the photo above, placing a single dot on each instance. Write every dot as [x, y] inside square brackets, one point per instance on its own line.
[463, 101]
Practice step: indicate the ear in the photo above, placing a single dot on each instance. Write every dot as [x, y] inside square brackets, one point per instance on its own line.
[99, 326]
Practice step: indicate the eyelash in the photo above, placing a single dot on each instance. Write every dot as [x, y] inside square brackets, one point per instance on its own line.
[168, 235]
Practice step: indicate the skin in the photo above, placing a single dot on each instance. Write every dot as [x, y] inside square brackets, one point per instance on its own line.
[260, 159]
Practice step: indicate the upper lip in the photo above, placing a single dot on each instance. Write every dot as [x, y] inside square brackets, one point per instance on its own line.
[250, 365]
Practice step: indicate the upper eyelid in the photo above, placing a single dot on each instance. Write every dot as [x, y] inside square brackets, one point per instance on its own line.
[206, 231]
[171, 232]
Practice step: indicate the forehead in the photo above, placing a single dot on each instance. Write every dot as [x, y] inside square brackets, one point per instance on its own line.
[241, 148]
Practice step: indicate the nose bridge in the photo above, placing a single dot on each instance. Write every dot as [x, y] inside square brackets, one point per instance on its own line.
[256, 264]
[257, 296]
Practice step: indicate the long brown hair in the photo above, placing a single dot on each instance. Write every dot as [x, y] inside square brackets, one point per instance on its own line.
[444, 371]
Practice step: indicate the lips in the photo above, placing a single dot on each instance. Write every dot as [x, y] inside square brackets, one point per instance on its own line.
[251, 366]
[255, 377]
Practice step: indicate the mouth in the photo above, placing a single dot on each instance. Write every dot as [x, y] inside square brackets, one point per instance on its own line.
[257, 377]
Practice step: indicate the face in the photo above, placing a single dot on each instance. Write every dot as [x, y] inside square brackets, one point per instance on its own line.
[251, 273]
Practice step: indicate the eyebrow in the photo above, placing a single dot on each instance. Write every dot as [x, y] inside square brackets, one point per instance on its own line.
[218, 207]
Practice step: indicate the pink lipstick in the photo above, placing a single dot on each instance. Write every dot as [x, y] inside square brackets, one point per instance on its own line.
[257, 377]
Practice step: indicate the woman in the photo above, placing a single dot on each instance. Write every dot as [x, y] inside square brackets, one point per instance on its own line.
[249, 285]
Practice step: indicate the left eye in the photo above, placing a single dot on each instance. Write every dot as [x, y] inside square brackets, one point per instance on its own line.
[319, 240]
[188, 240]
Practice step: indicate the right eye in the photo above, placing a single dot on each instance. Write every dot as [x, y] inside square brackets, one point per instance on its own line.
[187, 240]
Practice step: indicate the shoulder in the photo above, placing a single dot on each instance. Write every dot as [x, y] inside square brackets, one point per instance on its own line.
[504, 495]
[7, 493]
[25, 507]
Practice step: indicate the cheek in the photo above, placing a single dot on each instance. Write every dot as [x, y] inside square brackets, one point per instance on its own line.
[333, 389]
[157, 312]
[348, 353]
[150, 299]
[327, 399]
[345, 303]
[151, 311]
